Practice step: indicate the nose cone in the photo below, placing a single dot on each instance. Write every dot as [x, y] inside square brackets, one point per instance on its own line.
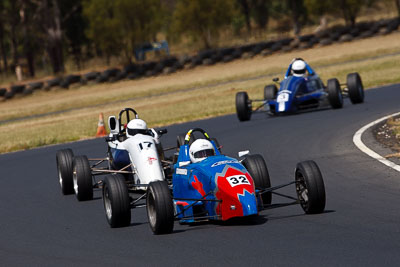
[237, 194]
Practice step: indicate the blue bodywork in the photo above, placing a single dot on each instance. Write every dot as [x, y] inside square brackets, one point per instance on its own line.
[223, 181]
[120, 158]
[296, 93]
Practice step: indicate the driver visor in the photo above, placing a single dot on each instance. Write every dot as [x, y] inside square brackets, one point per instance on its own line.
[299, 71]
[203, 153]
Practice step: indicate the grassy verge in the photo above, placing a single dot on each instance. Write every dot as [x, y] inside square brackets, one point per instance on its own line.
[187, 95]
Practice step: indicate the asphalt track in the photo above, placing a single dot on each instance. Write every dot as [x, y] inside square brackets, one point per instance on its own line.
[361, 225]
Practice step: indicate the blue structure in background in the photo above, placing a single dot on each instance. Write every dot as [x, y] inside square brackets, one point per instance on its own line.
[140, 52]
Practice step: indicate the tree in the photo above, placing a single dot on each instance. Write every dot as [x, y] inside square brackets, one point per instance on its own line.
[103, 28]
[298, 14]
[139, 22]
[74, 26]
[202, 19]
[260, 11]
[245, 8]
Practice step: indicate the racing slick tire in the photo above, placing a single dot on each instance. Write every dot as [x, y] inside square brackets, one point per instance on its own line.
[335, 96]
[82, 177]
[356, 88]
[65, 159]
[270, 92]
[160, 210]
[243, 108]
[256, 166]
[116, 201]
[310, 187]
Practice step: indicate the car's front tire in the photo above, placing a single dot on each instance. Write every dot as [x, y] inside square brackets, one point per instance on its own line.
[270, 92]
[82, 177]
[256, 166]
[160, 210]
[64, 159]
[335, 96]
[243, 106]
[355, 87]
[116, 201]
[310, 187]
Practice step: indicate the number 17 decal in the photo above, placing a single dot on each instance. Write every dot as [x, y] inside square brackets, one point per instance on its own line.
[237, 180]
[145, 145]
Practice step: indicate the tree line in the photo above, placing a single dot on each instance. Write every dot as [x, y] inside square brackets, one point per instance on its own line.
[47, 32]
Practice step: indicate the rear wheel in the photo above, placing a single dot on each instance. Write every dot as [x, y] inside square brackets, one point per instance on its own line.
[243, 106]
[310, 187]
[82, 177]
[356, 88]
[116, 201]
[256, 166]
[335, 96]
[65, 158]
[160, 210]
[270, 92]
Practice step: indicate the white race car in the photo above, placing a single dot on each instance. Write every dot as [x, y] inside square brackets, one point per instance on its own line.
[135, 157]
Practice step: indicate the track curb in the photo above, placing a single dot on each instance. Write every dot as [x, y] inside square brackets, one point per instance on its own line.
[358, 142]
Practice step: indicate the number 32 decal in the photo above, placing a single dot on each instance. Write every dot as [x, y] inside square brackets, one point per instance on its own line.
[237, 180]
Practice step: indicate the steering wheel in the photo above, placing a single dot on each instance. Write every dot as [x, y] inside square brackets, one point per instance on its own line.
[189, 134]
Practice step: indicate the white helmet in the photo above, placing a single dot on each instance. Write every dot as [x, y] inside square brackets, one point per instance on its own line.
[136, 126]
[200, 150]
[299, 68]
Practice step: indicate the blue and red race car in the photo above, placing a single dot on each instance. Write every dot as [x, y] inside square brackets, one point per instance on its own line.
[301, 89]
[220, 188]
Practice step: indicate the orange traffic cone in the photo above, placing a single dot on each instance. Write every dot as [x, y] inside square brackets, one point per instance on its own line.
[101, 129]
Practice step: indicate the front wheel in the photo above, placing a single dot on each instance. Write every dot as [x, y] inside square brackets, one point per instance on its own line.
[160, 210]
[356, 88]
[82, 177]
[65, 159]
[116, 201]
[335, 96]
[310, 187]
[270, 92]
[243, 106]
[256, 166]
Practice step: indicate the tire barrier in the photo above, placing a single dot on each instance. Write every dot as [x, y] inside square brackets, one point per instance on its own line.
[70, 79]
[35, 85]
[3, 91]
[171, 64]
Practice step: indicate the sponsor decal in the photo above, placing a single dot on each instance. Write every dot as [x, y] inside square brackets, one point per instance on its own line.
[181, 171]
[224, 162]
[151, 159]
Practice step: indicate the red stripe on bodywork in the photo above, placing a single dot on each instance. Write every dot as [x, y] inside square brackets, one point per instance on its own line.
[198, 186]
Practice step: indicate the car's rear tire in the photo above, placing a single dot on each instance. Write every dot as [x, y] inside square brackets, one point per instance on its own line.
[270, 92]
[310, 187]
[243, 106]
[65, 159]
[82, 177]
[335, 96]
[355, 87]
[256, 166]
[160, 210]
[116, 201]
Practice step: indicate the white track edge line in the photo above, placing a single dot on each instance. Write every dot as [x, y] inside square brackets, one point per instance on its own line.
[357, 141]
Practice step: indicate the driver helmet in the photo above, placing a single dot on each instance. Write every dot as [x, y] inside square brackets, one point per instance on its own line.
[200, 150]
[299, 68]
[136, 126]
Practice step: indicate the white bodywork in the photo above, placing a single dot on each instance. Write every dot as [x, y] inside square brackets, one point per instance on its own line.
[143, 155]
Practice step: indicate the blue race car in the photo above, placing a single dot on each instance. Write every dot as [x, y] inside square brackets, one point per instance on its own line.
[208, 186]
[301, 89]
